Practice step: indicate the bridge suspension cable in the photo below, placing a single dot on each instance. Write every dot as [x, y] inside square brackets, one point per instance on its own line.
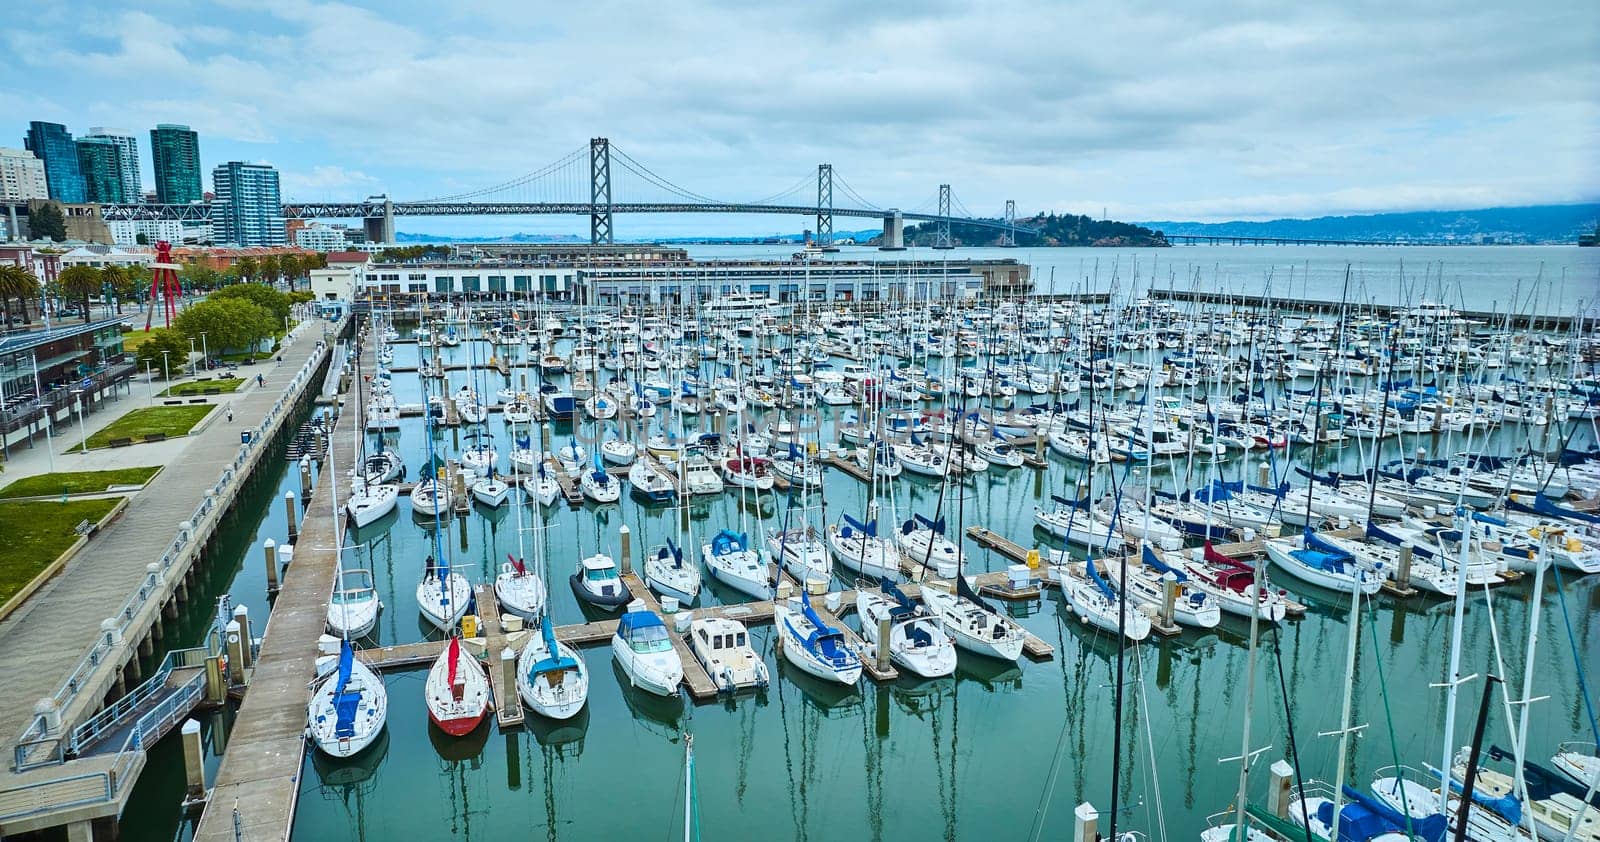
[633, 166]
[521, 181]
[844, 187]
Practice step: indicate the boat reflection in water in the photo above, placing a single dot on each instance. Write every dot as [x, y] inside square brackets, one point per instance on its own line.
[468, 746]
[660, 715]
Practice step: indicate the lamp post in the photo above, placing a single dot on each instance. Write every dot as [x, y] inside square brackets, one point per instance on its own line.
[194, 370]
[166, 367]
[150, 382]
[205, 353]
[77, 403]
[38, 398]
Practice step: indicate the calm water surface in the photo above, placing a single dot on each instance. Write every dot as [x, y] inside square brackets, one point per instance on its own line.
[967, 757]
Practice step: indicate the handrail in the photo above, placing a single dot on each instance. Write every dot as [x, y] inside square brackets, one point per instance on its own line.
[36, 734]
[86, 733]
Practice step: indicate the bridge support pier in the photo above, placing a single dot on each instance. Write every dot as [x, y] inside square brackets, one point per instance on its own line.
[380, 229]
[894, 232]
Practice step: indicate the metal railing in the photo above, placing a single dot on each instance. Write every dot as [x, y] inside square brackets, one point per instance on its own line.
[107, 720]
[39, 745]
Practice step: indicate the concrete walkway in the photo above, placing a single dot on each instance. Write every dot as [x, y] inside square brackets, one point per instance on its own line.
[42, 640]
[28, 461]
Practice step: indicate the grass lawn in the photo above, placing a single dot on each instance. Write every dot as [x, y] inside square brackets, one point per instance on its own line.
[171, 420]
[36, 532]
[133, 339]
[77, 482]
[198, 387]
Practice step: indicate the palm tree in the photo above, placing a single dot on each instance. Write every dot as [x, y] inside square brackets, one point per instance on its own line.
[80, 282]
[248, 268]
[270, 269]
[116, 279]
[17, 282]
[293, 266]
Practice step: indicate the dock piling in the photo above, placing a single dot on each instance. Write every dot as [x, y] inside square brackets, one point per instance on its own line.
[1278, 792]
[235, 654]
[194, 764]
[626, 562]
[288, 512]
[1169, 596]
[270, 548]
[241, 615]
[883, 643]
[1085, 823]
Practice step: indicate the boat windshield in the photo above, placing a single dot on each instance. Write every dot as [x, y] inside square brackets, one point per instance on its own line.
[650, 639]
[603, 574]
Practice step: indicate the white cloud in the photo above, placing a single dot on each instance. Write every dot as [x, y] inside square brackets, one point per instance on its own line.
[1153, 110]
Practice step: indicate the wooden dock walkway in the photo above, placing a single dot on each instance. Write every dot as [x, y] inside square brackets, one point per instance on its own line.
[261, 768]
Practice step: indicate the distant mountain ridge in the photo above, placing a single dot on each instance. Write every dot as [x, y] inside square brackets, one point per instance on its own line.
[1528, 224]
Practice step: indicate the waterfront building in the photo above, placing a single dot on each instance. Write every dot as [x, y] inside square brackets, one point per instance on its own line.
[175, 151]
[127, 152]
[100, 257]
[100, 163]
[319, 237]
[59, 152]
[645, 274]
[75, 362]
[21, 176]
[247, 210]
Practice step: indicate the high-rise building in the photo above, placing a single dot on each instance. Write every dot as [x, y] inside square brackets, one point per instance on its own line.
[319, 237]
[128, 151]
[248, 210]
[176, 153]
[54, 145]
[100, 162]
[21, 176]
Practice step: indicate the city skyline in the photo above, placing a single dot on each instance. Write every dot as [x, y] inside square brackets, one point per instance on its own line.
[1228, 113]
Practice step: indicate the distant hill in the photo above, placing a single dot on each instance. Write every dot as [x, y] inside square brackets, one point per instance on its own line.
[1531, 224]
[1054, 230]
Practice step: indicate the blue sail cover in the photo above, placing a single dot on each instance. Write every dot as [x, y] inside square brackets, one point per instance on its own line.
[728, 542]
[554, 661]
[903, 604]
[677, 554]
[345, 701]
[1429, 829]
[870, 528]
[1154, 562]
[1102, 584]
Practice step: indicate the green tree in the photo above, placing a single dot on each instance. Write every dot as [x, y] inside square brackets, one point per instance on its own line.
[78, 283]
[17, 282]
[164, 339]
[116, 279]
[199, 276]
[229, 323]
[47, 221]
[271, 269]
[292, 266]
[271, 300]
[249, 268]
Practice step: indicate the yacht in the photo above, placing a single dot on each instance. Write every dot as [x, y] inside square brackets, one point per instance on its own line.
[643, 648]
[722, 646]
[597, 582]
[456, 690]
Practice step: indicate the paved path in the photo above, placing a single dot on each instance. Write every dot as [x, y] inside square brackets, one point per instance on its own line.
[44, 638]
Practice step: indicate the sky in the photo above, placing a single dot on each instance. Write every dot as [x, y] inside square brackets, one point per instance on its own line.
[1184, 111]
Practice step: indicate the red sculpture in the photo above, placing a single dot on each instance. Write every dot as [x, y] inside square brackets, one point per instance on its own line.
[163, 285]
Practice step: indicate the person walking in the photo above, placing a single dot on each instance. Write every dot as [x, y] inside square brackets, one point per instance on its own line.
[228, 410]
[261, 380]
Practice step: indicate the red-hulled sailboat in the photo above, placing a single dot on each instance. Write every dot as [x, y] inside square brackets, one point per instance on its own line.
[457, 690]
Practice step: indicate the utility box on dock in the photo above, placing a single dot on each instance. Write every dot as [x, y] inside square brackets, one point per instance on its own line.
[244, 436]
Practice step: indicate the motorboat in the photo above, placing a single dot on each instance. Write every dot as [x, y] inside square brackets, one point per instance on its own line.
[722, 646]
[643, 648]
[699, 477]
[353, 606]
[917, 642]
[748, 472]
[456, 690]
[817, 648]
[552, 678]
[597, 582]
[348, 706]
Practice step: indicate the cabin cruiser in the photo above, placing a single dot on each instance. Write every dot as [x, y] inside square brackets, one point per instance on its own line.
[597, 582]
[722, 646]
[643, 648]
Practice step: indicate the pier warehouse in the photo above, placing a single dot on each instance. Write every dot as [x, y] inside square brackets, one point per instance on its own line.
[619, 275]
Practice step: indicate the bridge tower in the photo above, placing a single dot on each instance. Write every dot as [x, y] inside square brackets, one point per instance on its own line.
[379, 224]
[824, 204]
[1009, 239]
[941, 237]
[599, 191]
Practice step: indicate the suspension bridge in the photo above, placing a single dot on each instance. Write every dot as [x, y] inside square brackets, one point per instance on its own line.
[601, 181]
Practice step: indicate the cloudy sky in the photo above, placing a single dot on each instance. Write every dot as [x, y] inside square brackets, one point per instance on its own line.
[1193, 110]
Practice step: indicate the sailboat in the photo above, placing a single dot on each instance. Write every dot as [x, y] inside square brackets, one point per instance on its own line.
[519, 590]
[856, 545]
[731, 561]
[973, 625]
[815, 647]
[551, 677]
[1095, 602]
[370, 500]
[457, 690]
[349, 707]
[917, 643]
[443, 594]
[666, 573]
[353, 605]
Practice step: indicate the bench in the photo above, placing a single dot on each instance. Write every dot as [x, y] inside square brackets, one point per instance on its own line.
[174, 402]
[121, 442]
[199, 400]
[212, 390]
[84, 527]
[155, 437]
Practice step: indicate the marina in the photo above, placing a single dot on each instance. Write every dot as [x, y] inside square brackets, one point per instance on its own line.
[1188, 401]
